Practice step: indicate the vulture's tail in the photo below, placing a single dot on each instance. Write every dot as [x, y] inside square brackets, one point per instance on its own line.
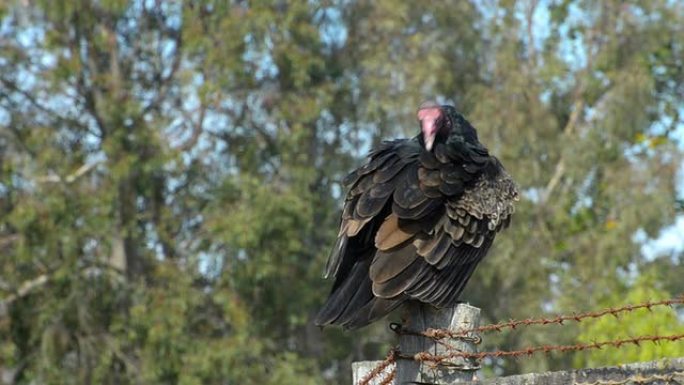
[352, 304]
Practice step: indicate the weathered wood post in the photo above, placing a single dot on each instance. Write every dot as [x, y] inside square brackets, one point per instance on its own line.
[424, 317]
[421, 318]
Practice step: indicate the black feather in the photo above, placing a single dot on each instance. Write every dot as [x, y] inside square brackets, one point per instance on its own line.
[335, 256]
[428, 160]
[351, 178]
[417, 212]
[407, 193]
[396, 285]
[377, 162]
[363, 296]
[342, 296]
[451, 189]
[452, 174]
[382, 189]
[424, 224]
[435, 255]
[387, 265]
[369, 206]
[429, 178]
[388, 172]
[441, 153]
[432, 192]
[372, 311]
[349, 206]
[460, 278]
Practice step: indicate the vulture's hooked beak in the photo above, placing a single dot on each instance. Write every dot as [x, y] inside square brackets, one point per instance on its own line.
[429, 124]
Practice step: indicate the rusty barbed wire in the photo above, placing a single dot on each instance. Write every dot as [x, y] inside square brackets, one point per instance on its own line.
[577, 317]
[438, 334]
[389, 360]
[513, 324]
[529, 351]
[390, 377]
[637, 379]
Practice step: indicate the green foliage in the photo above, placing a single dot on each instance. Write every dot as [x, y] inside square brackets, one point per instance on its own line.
[170, 172]
[642, 322]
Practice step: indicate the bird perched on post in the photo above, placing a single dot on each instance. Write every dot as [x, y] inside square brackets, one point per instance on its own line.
[418, 218]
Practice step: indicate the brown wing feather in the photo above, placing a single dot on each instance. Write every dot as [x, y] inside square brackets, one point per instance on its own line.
[391, 234]
[440, 248]
[387, 265]
[398, 284]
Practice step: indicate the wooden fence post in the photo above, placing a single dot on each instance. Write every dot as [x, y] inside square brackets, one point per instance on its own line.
[423, 317]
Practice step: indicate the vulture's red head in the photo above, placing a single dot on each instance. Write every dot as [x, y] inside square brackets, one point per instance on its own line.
[439, 122]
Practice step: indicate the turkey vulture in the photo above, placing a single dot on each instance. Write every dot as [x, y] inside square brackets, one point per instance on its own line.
[417, 219]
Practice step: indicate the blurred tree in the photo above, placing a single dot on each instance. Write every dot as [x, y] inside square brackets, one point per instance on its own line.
[108, 192]
[584, 115]
[169, 172]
